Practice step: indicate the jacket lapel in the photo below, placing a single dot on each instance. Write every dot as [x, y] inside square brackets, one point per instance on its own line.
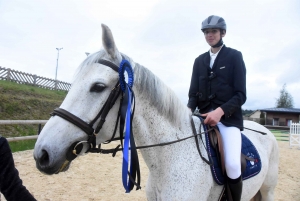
[221, 54]
[206, 60]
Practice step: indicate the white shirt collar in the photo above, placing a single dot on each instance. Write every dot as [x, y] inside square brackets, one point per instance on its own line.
[215, 54]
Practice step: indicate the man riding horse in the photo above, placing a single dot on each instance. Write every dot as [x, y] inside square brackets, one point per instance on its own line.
[218, 90]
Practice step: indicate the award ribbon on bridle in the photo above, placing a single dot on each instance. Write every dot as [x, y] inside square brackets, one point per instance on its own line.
[130, 167]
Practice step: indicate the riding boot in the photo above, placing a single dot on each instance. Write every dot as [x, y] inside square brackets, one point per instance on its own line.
[235, 187]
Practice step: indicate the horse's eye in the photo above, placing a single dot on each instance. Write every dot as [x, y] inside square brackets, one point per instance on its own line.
[97, 87]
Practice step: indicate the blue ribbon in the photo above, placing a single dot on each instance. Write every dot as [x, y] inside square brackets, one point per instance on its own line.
[129, 154]
[126, 161]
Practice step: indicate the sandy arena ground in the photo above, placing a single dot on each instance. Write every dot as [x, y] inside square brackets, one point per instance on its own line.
[98, 177]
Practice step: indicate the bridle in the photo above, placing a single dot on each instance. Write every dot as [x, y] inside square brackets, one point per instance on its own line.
[130, 168]
[89, 128]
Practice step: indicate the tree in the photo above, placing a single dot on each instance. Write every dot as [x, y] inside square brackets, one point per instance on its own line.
[285, 99]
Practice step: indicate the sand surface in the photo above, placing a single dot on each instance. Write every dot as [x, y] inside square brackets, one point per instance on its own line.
[98, 177]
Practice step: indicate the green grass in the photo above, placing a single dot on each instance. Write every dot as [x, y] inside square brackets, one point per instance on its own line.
[19, 101]
[25, 102]
[280, 135]
[22, 145]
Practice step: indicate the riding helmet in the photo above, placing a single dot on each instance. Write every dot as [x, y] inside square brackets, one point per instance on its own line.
[213, 21]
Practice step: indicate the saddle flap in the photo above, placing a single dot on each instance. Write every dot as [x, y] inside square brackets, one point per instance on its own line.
[217, 143]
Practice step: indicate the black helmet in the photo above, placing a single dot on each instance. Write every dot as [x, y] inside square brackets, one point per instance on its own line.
[213, 21]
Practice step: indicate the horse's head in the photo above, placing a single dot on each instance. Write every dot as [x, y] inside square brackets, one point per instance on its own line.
[78, 114]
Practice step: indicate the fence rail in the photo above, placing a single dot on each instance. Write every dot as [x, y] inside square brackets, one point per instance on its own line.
[14, 139]
[26, 78]
[295, 134]
[9, 122]
[280, 135]
[31, 137]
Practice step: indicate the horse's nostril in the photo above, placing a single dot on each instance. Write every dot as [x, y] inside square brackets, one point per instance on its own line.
[44, 160]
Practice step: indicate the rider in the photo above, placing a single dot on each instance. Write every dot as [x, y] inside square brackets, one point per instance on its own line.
[218, 90]
[10, 183]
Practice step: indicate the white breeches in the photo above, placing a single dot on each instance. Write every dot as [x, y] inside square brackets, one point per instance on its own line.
[232, 141]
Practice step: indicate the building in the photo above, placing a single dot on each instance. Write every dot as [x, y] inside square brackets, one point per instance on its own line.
[255, 114]
[281, 116]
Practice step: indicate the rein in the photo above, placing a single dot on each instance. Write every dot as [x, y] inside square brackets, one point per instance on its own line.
[113, 151]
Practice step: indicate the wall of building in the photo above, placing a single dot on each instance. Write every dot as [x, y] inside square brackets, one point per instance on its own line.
[255, 114]
[282, 118]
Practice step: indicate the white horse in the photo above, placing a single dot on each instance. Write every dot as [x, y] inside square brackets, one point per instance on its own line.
[176, 172]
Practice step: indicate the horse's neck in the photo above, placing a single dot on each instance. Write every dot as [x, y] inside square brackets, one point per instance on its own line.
[155, 126]
[150, 128]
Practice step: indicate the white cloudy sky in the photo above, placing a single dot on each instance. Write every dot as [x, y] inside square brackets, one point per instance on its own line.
[163, 35]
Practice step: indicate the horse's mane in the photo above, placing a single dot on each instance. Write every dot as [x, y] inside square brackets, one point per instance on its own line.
[159, 94]
[151, 87]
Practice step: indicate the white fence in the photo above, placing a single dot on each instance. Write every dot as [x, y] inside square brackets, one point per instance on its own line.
[10, 122]
[26, 78]
[295, 134]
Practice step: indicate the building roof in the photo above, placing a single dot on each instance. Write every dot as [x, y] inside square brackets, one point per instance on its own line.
[282, 110]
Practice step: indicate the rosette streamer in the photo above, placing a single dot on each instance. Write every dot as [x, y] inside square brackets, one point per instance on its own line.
[130, 166]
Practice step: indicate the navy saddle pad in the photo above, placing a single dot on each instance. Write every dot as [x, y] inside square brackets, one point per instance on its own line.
[248, 149]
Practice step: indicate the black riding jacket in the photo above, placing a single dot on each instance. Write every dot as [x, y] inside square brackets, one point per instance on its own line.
[223, 85]
[10, 183]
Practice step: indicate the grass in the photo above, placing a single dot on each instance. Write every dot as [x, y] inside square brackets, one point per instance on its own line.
[280, 135]
[20, 130]
[22, 145]
[25, 102]
[18, 101]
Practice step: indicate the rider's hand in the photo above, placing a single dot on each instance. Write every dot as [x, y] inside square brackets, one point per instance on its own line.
[213, 117]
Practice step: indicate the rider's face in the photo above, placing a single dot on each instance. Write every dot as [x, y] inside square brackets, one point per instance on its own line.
[213, 36]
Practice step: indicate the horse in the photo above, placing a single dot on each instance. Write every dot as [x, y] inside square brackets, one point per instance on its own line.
[176, 172]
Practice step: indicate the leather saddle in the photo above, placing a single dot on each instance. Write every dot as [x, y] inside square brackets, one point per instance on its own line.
[217, 143]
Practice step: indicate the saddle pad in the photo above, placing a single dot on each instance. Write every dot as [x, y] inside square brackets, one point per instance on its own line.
[248, 149]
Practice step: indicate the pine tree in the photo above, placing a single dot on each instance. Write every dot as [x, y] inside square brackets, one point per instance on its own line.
[285, 99]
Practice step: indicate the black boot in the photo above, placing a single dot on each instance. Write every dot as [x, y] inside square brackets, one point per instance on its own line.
[235, 187]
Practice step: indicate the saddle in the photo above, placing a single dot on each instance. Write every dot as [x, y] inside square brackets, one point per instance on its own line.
[217, 143]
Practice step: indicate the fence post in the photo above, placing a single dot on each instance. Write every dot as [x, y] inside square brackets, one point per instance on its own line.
[34, 79]
[39, 128]
[55, 86]
[8, 74]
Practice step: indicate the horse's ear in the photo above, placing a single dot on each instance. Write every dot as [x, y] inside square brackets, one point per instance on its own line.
[109, 43]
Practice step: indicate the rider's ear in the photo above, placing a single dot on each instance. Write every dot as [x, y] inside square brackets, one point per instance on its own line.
[109, 44]
[223, 32]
